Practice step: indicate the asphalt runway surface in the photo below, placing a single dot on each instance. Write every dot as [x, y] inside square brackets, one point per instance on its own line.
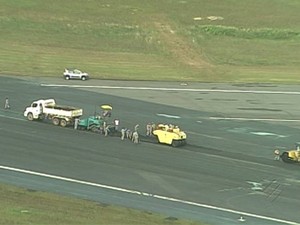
[226, 171]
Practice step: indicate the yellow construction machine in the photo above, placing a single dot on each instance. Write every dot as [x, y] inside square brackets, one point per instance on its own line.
[291, 156]
[170, 134]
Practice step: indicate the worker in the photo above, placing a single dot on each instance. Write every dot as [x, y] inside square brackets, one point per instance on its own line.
[106, 113]
[153, 126]
[123, 132]
[148, 129]
[129, 134]
[136, 127]
[76, 121]
[297, 152]
[176, 130]
[166, 127]
[116, 123]
[6, 104]
[277, 155]
[41, 108]
[135, 137]
[105, 128]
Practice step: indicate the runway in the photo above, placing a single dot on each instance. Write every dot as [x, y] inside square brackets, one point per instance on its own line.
[227, 169]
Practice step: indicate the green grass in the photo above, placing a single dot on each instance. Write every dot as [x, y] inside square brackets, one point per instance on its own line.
[252, 41]
[22, 206]
[255, 41]
[262, 33]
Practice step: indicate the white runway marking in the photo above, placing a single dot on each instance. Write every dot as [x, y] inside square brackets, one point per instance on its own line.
[256, 186]
[204, 135]
[293, 180]
[14, 118]
[253, 119]
[174, 89]
[268, 134]
[147, 194]
[194, 90]
[168, 116]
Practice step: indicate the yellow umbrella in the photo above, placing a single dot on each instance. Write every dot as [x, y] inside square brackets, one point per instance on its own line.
[106, 107]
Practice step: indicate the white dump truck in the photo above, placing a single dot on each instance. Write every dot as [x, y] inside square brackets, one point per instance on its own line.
[48, 109]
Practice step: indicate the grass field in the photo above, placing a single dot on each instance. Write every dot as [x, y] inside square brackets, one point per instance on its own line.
[186, 40]
[191, 40]
[22, 206]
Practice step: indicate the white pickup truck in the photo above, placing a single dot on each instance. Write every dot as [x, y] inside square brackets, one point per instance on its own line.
[48, 109]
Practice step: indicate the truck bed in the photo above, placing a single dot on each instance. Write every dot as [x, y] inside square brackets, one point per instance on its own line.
[61, 107]
[63, 111]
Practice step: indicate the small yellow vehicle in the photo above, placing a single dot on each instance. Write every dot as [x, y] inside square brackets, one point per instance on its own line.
[291, 156]
[170, 135]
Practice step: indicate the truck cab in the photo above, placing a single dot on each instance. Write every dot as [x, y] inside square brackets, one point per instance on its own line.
[36, 108]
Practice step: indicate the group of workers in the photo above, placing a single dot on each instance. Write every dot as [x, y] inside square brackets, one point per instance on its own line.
[131, 135]
[127, 133]
[149, 128]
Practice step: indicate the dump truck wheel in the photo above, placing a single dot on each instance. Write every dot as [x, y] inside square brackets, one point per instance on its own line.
[55, 121]
[63, 123]
[30, 116]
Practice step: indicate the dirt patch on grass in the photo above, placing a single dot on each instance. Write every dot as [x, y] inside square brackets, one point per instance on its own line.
[181, 49]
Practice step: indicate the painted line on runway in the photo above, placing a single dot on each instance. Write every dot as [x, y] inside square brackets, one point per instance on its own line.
[293, 180]
[10, 117]
[67, 179]
[204, 135]
[268, 134]
[253, 119]
[174, 89]
[146, 194]
[168, 116]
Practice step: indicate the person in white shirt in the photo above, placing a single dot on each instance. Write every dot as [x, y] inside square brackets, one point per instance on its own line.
[116, 123]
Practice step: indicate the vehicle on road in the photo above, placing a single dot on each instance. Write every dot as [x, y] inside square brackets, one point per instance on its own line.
[92, 123]
[48, 109]
[291, 156]
[75, 74]
[170, 135]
